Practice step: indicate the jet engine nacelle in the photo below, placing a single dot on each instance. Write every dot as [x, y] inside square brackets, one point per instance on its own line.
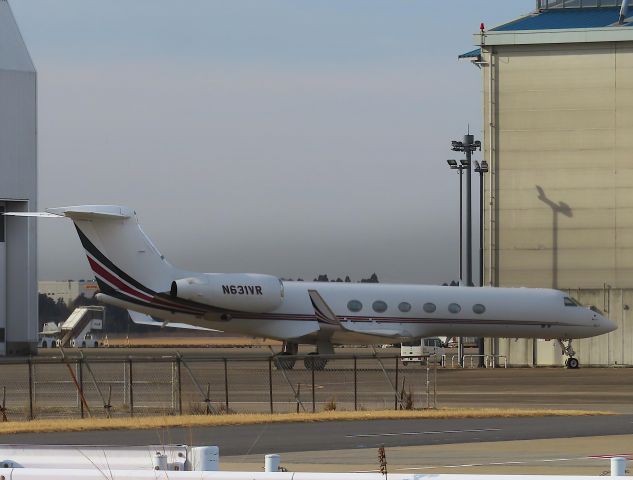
[245, 292]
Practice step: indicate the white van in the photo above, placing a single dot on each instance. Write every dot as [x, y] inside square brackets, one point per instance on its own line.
[421, 350]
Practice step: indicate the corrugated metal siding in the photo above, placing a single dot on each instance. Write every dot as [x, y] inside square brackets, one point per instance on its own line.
[564, 173]
[18, 179]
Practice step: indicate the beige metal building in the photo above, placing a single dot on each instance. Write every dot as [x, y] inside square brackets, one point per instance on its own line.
[558, 136]
[68, 290]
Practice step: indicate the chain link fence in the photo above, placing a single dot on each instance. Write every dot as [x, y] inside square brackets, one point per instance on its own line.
[67, 387]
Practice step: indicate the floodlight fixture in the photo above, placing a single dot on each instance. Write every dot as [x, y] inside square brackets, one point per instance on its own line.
[481, 167]
[452, 163]
[465, 163]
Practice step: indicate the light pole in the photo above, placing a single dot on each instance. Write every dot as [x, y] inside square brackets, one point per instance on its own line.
[468, 146]
[481, 168]
[460, 168]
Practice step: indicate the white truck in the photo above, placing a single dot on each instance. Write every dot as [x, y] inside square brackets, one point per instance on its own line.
[422, 350]
[49, 335]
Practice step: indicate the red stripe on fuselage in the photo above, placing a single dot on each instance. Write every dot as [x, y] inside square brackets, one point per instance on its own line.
[101, 271]
[114, 280]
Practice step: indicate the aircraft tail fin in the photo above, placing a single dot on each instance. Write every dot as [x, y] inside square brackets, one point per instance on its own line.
[121, 255]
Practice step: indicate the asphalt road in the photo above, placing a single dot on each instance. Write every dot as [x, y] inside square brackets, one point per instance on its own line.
[299, 437]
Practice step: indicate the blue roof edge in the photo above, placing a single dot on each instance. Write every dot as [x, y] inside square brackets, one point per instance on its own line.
[476, 53]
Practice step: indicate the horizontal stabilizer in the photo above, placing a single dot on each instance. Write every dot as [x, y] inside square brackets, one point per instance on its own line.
[142, 319]
[80, 212]
[33, 214]
[87, 212]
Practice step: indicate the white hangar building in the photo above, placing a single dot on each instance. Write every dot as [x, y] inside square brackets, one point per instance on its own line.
[557, 88]
[18, 190]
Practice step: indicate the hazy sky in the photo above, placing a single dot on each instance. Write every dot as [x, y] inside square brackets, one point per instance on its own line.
[289, 137]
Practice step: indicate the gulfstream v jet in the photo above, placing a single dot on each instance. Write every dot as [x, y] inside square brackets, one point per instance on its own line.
[132, 274]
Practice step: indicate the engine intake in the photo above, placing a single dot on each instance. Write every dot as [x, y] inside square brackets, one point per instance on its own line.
[246, 292]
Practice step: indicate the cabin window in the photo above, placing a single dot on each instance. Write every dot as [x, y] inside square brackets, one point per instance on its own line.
[429, 307]
[404, 307]
[354, 306]
[570, 302]
[454, 308]
[379, 306]
[479, 308]
[593, 308]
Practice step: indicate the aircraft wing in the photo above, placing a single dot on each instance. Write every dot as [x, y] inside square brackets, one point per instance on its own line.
[142, 319]
[325, 314]
[374, 331]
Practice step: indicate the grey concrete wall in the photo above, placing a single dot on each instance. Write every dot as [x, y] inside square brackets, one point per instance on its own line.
[18, 184]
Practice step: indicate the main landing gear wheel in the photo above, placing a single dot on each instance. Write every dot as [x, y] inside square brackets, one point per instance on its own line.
[283, 361]
[314, 363]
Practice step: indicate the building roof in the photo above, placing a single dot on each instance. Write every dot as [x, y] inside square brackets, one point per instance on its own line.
[13, 52]
[566, 18]
[476, 53]
[560, 21]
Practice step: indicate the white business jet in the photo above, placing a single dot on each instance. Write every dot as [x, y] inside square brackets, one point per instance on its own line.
[132, 274]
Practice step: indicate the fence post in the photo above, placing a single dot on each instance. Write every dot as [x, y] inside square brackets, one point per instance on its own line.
[355, 385]
[428, 385]
[395, 398]
[179, 380]
[124, 385]
[30, 389]
[435, 386]
[313, 394]
[80, 373]
[131, 386]
[226, 384]
[270, 382]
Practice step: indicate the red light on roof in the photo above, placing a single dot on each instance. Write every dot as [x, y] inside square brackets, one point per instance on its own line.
[482, 27]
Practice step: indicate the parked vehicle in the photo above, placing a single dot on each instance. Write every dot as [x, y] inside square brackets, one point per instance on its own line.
[422, 350]
[79, 330]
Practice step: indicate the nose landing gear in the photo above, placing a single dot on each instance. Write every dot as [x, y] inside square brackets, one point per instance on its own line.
[571, 362]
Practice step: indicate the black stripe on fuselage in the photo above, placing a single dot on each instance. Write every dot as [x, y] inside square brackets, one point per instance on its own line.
[101, 258]
[94, 251]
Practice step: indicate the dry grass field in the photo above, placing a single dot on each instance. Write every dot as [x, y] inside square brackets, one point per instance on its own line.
[77, 425]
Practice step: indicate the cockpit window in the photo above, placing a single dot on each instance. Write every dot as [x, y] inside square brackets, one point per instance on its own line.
[570, 302]
[596, 309]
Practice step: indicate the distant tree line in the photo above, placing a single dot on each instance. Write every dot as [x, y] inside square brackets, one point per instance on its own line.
[373, 278]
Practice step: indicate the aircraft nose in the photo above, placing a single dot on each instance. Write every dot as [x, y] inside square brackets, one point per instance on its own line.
[607, 325]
